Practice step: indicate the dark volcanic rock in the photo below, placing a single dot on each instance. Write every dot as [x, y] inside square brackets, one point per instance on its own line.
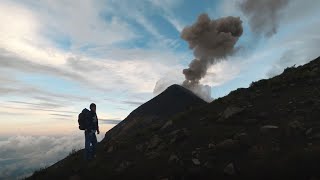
[270, 130]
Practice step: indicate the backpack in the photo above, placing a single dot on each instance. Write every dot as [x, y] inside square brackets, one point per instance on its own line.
[82, 119]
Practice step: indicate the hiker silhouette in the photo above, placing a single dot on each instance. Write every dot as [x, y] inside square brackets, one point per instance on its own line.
[92, 127]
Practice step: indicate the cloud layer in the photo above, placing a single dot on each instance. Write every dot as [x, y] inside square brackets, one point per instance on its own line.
[22, 155]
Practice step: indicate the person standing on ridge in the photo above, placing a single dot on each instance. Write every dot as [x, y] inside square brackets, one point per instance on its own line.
[90, 132]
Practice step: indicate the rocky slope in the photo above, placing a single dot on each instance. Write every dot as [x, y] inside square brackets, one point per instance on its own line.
[270, 130]
[154, 113]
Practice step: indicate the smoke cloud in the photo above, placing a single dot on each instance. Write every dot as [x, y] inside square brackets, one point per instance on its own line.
[203, 91]
[263, 15]
[211, 40]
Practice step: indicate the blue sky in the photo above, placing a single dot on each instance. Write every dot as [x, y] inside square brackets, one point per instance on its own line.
[63, 55]
[56, 57]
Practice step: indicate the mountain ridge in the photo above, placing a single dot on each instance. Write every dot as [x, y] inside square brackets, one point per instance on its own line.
[270, 130]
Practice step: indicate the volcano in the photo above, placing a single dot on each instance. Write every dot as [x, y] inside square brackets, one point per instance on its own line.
[171, 101]
[155, 112]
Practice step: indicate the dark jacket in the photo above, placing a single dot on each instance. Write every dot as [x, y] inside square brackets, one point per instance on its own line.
[92, 121]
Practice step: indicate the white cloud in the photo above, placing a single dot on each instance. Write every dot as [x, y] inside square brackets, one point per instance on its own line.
[20, 34]
[21, 155]
[129, 67]
[296, 55]
[300, 44]
[175, 22]
[28, 47]
[169, 4]
[138, 74]
[141, 13]
[168, 8]
[81, 21]
[170, 78]
[223, 71]
[137, 11]
[229, 8]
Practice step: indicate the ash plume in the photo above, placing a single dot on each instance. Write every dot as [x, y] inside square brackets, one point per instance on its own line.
[263, 15]
[211, 40]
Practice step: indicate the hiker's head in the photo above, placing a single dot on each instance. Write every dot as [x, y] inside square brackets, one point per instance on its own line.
[93, 107]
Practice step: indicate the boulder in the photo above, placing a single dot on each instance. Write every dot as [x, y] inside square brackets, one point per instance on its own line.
[268, 129]
[195, 153]
[243, 139]
[208, 165]
[178, 135]
[231, 111]
[313, 133]
[167, 124]
[196, 161]
[309, 131]
[211, 146]
[173, 158]
[154, 142]
[227, 145]
[152, 155]
[295, 128]
[229, 169]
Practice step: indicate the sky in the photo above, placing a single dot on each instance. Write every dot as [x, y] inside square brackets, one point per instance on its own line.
[58, 56]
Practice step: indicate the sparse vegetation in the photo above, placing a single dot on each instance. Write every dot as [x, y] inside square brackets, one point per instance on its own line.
[39, 172]
[73, 151]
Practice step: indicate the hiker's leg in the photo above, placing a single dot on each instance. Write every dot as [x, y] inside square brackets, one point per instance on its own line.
[94, 144]
[91, 141]
[87, 145]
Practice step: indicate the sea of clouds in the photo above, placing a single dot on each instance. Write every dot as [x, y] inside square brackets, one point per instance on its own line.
[20, 156]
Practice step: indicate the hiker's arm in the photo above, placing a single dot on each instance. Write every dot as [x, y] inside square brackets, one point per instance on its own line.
[98, 130]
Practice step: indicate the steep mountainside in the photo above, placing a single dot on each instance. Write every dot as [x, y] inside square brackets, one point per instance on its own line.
[155, 112]
[270, 130]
